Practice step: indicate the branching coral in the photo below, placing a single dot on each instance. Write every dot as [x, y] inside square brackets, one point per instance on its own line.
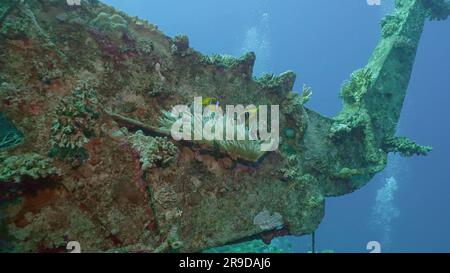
[347, 123]
[406, 147]
[220, 60]
[153, 151]
[355, 119]
[293, 108]
[282, 83]
[354, 90]
[15, 168]
[306, 95]
[295, 102]
[74, 123]
[390, 25]
[269, 81]
[227, 61]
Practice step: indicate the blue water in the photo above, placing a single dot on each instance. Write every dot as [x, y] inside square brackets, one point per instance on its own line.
[323, 41]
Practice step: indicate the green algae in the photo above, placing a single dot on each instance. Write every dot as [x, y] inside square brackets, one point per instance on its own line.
[406, 147]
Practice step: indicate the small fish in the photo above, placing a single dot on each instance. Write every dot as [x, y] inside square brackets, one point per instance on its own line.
[253, 111]
[208, 101]
[212, 103]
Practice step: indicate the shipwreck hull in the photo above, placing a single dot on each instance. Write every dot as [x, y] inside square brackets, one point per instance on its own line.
[104, 197]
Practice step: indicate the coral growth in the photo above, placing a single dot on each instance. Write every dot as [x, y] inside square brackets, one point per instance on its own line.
[353, 91]
[15, 168]
[390, 25]
[269, 81]
[145, 47]
[246, 62]
[221, 60]
[47, 71]
[180, 46]
[108, 23]
[406, 147]
[131, 194]
[295, 102]
[74, 123]
[282, 83]
[291, 172]
[154, 151]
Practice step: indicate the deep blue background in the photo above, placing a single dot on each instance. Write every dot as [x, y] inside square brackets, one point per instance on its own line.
[323, 42]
